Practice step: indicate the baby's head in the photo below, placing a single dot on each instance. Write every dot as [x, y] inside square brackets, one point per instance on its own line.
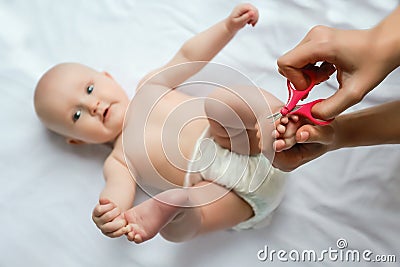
[80, 103]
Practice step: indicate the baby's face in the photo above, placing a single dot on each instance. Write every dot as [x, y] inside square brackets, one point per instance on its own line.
[81, 104]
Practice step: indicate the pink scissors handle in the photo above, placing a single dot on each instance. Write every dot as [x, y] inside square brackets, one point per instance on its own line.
[305, 111]
[296, 95]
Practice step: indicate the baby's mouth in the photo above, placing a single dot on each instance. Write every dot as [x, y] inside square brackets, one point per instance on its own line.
[105, 114]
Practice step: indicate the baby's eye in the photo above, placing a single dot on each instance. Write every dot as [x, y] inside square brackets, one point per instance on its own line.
[76, 116]
[90, 89]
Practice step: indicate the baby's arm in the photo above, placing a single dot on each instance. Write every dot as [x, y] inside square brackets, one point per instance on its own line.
[116, 197]
[205, 45]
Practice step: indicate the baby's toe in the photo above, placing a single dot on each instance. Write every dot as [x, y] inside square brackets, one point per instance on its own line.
[275, 134]
[284, 120]
[138, 239]
[281, 128]
[135, 233]
[279, 145]
[289, 142]
[294, 118]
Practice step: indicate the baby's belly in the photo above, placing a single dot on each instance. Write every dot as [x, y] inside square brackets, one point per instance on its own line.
[170, 154]
[159, 153]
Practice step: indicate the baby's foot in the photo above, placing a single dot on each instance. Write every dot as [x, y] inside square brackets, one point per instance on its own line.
[285, 132]
[148, 218]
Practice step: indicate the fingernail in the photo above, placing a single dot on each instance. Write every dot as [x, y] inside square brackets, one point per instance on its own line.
[304, 136]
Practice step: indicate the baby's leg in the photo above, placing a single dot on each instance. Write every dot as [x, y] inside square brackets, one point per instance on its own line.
[223, 213]
[149, 217]
[233, 114]
[179, 223]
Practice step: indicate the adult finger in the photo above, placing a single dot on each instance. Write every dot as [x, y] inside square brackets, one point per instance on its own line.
[345, 97]
[315, 134]
[292, 63]
[324, 71]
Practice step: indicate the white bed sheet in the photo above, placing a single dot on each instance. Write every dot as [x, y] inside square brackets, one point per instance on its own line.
[48, 188]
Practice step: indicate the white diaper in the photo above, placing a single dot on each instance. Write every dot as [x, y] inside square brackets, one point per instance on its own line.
[253, 178]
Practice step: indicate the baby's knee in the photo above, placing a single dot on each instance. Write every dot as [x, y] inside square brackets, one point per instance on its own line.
[175, 197]
[223, 110]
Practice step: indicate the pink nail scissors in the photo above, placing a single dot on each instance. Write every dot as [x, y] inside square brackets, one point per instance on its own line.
[304, 110]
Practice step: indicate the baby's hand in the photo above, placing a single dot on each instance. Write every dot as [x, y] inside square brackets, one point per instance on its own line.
[109, 219]
[241, 15]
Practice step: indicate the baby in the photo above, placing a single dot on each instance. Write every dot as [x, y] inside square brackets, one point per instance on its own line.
[88, 107]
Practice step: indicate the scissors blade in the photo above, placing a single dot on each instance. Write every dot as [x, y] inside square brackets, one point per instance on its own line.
[297, 107]
[275, 116]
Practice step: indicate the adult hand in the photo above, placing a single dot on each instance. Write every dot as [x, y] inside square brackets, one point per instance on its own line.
[362, 58]
[311, 143]
[360, 128]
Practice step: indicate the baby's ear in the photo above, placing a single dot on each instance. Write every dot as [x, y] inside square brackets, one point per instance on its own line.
[107, 74]
[74, 141]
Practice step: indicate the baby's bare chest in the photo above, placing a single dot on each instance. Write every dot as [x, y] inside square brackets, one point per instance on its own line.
[170, 130]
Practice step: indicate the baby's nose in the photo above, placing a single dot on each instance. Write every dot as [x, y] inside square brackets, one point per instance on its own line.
[95, 108]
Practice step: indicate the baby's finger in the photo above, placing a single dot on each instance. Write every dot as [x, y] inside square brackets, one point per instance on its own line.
[100, 210]
[253, 18]
[103, 201]
[120, 232]
[242, 18]
[117, 227]
[110, 215]
[242, 9]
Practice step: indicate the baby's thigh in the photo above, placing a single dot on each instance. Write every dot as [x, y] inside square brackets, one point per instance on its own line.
[232, 118]
[223, 213]
[229, 109]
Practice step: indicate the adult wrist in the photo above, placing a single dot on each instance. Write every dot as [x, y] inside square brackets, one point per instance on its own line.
[387, 38]
[339, 137]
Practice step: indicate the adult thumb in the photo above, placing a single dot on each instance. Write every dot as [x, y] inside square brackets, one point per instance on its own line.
[315, 134]
[341, 100]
